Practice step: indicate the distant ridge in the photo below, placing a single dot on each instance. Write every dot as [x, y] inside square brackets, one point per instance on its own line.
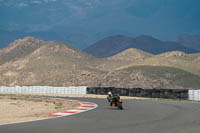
[109, 46]
[112, 45]
[190, 41]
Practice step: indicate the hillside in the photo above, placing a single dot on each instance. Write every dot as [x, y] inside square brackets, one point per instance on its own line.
[176, 59]
[112, 45]
[151, 77]
[30, 61]
[51, 64]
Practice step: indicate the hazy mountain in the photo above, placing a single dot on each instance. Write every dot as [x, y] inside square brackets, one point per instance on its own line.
[110, 46]
[156, 46]
[31, 61]
[191, 41]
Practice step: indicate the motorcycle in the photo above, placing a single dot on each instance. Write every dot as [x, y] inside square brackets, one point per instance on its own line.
[117, 102]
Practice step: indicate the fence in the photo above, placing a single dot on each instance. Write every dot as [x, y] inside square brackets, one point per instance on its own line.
[43, 90]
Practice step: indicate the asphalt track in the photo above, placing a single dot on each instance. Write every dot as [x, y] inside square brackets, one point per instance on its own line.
[139, 116]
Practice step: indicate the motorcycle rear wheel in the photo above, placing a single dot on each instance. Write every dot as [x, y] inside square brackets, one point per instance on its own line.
[119, 105]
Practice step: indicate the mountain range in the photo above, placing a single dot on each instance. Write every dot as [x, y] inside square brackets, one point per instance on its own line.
[30, 61]
[114, 44]
[190, 41]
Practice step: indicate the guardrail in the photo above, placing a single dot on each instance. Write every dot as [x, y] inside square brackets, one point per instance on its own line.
[44, 90]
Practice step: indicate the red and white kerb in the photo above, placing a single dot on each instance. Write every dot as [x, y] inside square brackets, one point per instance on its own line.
[85, 106]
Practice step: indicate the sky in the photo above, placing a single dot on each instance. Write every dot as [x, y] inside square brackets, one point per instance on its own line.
[82, 22]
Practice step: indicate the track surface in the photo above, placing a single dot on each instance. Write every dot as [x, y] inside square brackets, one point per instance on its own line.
[137, 117]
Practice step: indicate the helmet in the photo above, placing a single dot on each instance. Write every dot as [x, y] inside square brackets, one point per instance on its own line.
[109, 93]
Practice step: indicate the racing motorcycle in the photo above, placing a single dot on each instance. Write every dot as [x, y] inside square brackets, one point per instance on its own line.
[116, 102]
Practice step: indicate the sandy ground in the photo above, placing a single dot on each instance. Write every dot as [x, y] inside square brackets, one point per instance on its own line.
[20, 108]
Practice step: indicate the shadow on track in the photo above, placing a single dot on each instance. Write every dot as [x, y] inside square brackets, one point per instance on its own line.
[110, 108]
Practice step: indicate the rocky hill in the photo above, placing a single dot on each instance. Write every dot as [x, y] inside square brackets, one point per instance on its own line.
[19, 48]
[112, 45]
[52, 63]
[130, 54]
[30, 61]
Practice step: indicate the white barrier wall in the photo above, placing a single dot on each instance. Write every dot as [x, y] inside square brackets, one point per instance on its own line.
[44, 90]
[194, 95]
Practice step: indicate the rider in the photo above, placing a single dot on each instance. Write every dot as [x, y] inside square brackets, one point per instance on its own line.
[110, 98]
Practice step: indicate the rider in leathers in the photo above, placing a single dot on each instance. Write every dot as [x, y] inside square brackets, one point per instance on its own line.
[110, 98]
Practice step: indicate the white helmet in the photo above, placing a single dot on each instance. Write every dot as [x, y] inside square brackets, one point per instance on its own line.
[109, 93]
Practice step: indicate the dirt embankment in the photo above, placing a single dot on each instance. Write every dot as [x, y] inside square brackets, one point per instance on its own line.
[20, 108]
